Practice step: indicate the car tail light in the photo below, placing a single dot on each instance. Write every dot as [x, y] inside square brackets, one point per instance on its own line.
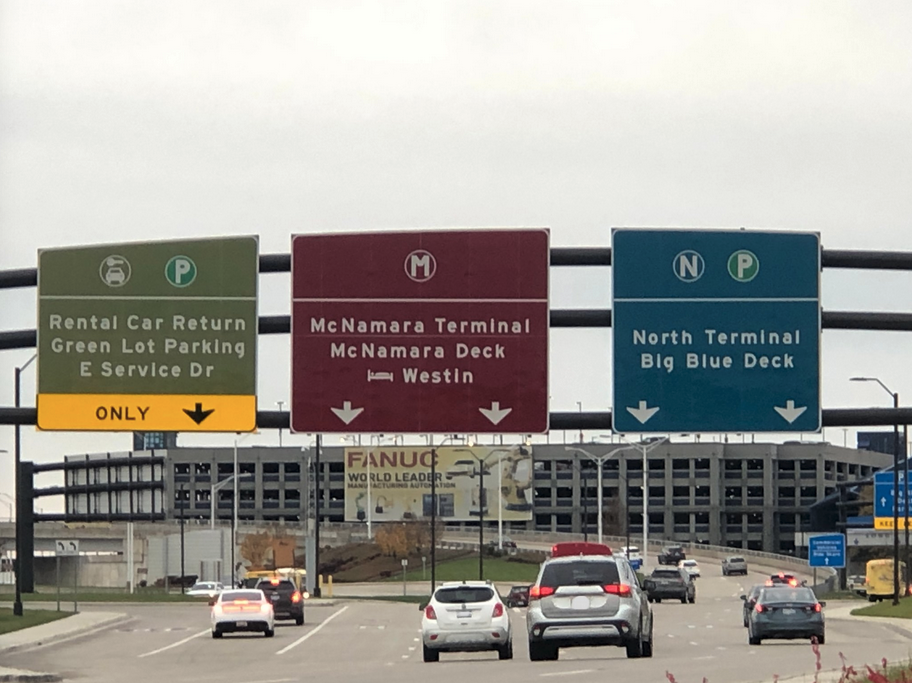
[274, 582]
[817, 607]
[265, 607]
[498, 610]
[429, 612]
[621, 589]
[793, 582]
[537, 592]
[758, 607]
[296, 597]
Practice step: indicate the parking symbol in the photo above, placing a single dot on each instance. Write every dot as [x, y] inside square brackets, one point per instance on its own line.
[180, 271]
[688, 266]
[743, 265]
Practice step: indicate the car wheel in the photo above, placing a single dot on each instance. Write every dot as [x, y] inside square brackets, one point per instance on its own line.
[658, 599]
[217, 634]
[635, 648]
[431, 655]
[684, 600]
[692, 599]
[505, 651]
[269, 632]
[821, 639]
[647, 645]
[542, 652]
[299, 621]
[752, 639]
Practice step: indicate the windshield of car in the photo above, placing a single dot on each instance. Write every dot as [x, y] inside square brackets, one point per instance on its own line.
[787, 595]
[461, 594]
[579, 573]
[233, 596]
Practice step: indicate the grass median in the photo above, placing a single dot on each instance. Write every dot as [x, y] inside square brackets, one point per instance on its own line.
[30, 617]
[886, 609]
[89, 594]
[499, 569]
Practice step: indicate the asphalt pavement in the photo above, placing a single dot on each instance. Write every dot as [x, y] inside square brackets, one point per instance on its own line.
[344, 640]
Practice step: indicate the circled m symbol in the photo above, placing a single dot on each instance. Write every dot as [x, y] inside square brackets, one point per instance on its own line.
[420, 265]
[688, 266]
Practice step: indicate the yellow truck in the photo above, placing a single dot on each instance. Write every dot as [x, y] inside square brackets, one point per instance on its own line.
[879, 579]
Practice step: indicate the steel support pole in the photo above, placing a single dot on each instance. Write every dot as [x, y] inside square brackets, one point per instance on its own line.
[481, 511]
[599, 499]
[906, 488]
[317, 489]
[500, 502]
[644, 553]
[17, 603]
[182, 541]
[896, 488]
[234, 514]
[433, 519]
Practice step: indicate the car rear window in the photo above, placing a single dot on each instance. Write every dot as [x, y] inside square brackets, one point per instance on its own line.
[736, 559]
[250, 596]
[579, 573]
[788, 595]
[666, 573]
[281, 587]
[464, 594]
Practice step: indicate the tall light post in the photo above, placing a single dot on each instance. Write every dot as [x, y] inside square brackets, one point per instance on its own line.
[234, 502]
[430, 439]
[644, 448]
[896, 488]
[599, 460]
[20, 518]
[214, 489]
[579, 405]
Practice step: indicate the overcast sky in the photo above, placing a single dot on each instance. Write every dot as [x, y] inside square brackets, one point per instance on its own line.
[155, 120]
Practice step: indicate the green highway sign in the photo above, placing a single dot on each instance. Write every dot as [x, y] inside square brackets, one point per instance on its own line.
[158, 336]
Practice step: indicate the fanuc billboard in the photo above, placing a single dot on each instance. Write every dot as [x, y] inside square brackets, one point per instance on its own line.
[400, 483]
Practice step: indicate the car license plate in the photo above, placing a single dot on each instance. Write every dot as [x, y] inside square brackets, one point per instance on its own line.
[463, 615]
[241, 624]
[788, 610]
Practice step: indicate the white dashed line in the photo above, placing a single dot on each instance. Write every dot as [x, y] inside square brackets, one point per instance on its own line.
[308, 635]
[179, 642]
[693, 643]
[412, 648]
[567, 673]
[405, 656]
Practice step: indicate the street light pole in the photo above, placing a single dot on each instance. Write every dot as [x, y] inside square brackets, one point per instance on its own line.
[280, 404]
[481, 511]
[20, 504]
[599, 460]
[182, 539]
[896, 487]
[645, 448]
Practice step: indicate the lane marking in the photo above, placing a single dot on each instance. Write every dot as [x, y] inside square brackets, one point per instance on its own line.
[412, 647]
[405, 656]
[693, 643]
[696, 659]
[568, 673]
[316, 630]
[178, 643]
[275, 680]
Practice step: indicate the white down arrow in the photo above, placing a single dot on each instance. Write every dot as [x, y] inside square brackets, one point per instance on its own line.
[642, 413]
[346, 413]
[790, 413]
[495, 413]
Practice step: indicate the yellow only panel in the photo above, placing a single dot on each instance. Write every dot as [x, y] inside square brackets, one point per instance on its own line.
[146, 413]
[887, 522]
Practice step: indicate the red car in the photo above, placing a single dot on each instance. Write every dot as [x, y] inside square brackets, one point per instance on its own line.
[518, 596]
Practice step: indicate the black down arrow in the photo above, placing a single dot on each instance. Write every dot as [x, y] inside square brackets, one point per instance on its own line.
[198, 414]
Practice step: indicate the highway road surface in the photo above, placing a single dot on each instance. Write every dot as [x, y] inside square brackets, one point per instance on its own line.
[350, 640]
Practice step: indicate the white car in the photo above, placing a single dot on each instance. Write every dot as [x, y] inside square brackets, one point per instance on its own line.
[632, 553]
[244, 609]
[466, 616]
[691, 567]
[205, 589]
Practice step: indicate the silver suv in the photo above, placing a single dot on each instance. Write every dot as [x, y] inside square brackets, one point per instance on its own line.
[586, 596]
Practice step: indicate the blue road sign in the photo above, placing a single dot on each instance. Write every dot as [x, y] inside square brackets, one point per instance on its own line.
[715, 331]
[885, 494]
[827, 551]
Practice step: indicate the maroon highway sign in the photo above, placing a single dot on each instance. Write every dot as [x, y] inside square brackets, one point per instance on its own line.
[420, 332]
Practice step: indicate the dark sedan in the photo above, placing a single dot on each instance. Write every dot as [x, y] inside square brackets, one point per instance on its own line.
[518, 596]
[749, 601]
[787, 613]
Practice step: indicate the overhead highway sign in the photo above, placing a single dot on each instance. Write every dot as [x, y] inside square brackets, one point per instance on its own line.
[157, 336]
[420, 332]
[715, 331]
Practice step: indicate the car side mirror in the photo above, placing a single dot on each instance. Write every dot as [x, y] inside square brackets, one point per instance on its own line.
[421, 606]
[212, 602]
[744, 597]
[822, 603]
